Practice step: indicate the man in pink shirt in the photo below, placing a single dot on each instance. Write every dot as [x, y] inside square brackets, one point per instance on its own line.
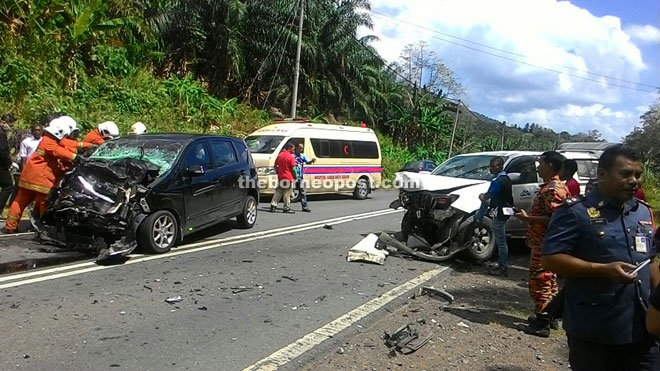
[284, 167]
[568, 169]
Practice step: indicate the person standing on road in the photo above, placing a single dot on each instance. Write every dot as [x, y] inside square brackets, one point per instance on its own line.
[498, 197]
[568, 170]
[301, 161]
[597, 242]
[30, 144]
[543, 282]
[6, 181]
[285, 165]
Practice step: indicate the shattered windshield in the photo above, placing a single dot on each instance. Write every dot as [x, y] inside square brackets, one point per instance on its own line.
[469, 167]
[160, 152]
[263, 143]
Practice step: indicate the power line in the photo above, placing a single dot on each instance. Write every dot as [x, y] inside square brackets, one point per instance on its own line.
[520, 55]
[279, 63]
[279, 34]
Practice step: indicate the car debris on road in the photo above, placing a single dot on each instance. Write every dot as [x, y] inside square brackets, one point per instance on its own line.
[366, 250]
[434, 293]
[401, 340]
[174, 299]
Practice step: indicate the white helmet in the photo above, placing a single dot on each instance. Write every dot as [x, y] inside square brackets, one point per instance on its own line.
[108, 130]
[69, 122]
[138, 128]
[59, 128]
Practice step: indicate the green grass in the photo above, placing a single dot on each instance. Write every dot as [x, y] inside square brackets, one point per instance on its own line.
[652, 192]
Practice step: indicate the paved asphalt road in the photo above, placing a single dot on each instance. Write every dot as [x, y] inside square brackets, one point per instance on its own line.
[240, 301]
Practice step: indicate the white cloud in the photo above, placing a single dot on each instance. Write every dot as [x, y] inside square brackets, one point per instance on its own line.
[612, 124]
[549, 33]
[645, 33]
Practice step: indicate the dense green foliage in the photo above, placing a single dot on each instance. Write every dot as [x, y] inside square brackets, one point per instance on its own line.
[226, 67]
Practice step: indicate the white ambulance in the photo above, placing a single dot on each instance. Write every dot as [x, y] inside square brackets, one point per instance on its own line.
[348, 158]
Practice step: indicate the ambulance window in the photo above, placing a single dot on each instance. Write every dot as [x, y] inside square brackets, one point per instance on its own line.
[363, 149]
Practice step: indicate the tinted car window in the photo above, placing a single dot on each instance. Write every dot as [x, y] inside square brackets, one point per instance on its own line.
[223, 153]
[429, 166]
[198, 156]
[344, 148]
[526, 167]
[243, 152]
[587, 169]
[362, 149]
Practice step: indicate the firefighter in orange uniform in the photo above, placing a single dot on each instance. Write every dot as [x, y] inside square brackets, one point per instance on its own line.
[40, 173]
[105, 130]
[71, 142]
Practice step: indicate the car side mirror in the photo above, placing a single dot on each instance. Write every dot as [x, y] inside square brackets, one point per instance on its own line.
[196, 170]
[515, 177]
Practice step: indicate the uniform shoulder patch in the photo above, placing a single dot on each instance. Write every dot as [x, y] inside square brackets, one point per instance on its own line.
[570, 201]
[643, 203]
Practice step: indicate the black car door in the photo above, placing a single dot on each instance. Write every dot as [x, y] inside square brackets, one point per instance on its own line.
[228, 171]
[199, 185]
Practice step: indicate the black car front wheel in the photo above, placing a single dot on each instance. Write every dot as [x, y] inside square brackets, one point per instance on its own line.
[157, 233]
[249, 216]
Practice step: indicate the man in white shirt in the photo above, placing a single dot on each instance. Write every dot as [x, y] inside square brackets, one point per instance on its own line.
[29, 145]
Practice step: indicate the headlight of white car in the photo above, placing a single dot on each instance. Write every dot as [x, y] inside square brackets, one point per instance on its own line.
[265, 170]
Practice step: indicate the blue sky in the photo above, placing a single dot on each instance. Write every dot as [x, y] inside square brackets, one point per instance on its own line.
[608, 41]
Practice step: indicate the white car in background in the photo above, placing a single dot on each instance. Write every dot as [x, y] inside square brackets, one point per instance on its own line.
[441, 205]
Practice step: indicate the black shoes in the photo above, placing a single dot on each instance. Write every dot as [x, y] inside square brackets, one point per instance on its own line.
[499, 272]
[554, 323]
[540, 326]
[307, 210]
[272, 208]
[288, 211]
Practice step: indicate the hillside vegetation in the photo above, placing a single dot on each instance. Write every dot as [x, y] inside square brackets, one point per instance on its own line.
[226, 67]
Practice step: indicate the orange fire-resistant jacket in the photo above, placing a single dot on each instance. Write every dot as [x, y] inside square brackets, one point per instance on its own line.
[94, 137]
[43, 169]
[73, 145]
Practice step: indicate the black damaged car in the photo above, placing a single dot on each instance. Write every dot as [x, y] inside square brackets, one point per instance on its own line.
[151, 191]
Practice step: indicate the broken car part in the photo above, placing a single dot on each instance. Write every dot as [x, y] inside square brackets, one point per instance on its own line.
[402, 338]
[434, 293]
[366, 250]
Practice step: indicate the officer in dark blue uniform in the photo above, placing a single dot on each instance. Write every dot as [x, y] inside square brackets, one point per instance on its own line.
[603, 245]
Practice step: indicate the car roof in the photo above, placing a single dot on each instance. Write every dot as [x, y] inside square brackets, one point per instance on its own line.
[289, 127]
[571, 155]
[178, 137]
[502, 153]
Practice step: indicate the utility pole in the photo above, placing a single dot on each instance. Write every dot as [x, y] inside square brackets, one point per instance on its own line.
[453, 132]
[294, 97]
[502, 142]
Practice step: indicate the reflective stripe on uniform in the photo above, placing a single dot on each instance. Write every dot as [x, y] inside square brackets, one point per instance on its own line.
[33, 187]
[40, 151]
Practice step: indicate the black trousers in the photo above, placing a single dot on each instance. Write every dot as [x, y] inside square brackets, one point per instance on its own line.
[587, 356]
[7, 185]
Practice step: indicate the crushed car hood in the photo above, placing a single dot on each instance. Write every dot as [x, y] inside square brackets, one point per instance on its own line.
[95, 206]
[408, 181]
[468, 190]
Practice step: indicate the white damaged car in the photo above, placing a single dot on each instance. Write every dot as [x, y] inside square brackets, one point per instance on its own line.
[440, 206]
